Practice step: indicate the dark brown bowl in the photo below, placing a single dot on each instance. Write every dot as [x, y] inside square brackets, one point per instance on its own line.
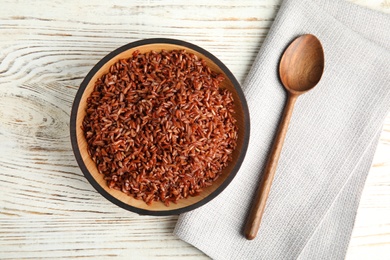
[89, 168]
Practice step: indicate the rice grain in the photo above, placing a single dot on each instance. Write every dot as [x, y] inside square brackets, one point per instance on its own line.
[159, 127]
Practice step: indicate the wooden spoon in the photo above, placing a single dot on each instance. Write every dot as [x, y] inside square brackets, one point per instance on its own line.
[300, 69]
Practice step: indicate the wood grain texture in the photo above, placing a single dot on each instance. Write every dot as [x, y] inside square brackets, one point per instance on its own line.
[47, 208]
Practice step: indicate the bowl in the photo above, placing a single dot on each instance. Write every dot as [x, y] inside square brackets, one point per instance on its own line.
[89, 168]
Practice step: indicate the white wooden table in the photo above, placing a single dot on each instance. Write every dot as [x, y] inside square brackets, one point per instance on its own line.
[47, 208]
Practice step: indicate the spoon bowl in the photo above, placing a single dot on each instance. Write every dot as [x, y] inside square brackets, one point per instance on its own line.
[302, 64]
[300, 69]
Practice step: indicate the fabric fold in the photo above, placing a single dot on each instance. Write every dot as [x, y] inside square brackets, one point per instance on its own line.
[328, 148]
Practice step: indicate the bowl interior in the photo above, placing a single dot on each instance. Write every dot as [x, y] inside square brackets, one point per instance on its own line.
[158, 208]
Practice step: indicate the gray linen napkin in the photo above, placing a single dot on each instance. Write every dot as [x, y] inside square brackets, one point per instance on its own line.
[328, 149]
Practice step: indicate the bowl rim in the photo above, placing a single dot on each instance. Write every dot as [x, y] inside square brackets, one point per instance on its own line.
[88, 175]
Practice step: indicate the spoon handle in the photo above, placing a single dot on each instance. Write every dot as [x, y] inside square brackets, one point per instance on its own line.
[258, 206]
